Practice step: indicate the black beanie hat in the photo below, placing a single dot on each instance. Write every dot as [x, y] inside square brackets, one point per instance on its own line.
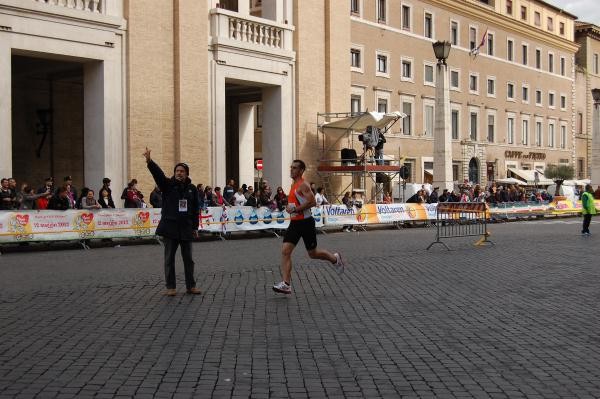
[184, 165]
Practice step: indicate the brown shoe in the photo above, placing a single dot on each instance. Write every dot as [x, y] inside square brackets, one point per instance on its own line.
[194, 291]
[171, 292]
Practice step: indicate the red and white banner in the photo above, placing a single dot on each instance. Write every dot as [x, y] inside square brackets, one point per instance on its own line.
[77, 224]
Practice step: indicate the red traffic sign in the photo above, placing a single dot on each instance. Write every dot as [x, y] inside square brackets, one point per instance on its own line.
[259, 164]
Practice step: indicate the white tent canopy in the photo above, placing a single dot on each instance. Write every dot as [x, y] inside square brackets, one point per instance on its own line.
[360, 122]
[529, 177]
[510, 180]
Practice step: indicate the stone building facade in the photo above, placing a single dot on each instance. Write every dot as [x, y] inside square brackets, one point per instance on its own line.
[63, 81]
[587, 78]
[511, 81]
[221, 84]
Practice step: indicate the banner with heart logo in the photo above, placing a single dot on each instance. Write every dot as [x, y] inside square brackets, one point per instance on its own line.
[75, 224]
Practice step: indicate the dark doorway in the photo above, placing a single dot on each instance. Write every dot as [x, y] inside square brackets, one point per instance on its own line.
[491, 171]
[237, 94]
[47, 120]
[231, 5]
[474, 171]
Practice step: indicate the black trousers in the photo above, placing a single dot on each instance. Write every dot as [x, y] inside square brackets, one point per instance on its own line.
[188, 262]
[587, 218]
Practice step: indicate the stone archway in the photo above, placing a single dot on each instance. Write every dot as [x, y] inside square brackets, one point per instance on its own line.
[473, 154]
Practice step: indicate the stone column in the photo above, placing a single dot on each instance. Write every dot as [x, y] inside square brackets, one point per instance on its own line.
[277, 134]
[102, 148]
[442, 147]
[5, 111]
[273, 10]
[219, 151]
[246, 143]
[93, 125]
[288, 12]
[244, 8]
[595, 161]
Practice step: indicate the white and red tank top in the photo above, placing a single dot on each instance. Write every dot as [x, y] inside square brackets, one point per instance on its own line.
[294, 197]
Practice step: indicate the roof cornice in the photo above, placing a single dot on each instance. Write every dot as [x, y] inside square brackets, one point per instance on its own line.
[487, 14]
[591, 30]
[557, 9]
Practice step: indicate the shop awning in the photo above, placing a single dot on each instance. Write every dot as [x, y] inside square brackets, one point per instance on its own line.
[361, 121]
[582, 182]
[429, 172]
[529, 177]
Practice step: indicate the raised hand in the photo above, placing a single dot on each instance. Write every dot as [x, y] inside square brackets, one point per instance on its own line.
[147, 154]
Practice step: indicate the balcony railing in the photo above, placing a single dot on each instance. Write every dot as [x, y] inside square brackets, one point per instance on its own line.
[94, 6]
[256, 33]
[250, 32]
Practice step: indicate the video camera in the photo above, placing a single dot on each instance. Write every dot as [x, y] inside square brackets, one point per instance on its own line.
[370, 137]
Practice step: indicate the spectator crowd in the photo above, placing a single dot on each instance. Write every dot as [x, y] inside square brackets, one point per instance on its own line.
[66, 196]
[493, 194]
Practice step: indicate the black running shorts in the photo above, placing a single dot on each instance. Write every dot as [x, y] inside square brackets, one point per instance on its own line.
[304, 228]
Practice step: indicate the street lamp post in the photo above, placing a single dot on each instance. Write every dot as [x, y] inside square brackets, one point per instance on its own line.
[595, 158]
[442, 144]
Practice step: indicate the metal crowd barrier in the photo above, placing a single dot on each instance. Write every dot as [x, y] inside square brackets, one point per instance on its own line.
[461, 219]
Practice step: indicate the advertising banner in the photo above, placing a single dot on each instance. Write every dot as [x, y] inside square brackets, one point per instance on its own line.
[510, 210]
[247, 218]
[75, 224]
[20, 226]
[377, 213]
[568, 206]
[342, 215]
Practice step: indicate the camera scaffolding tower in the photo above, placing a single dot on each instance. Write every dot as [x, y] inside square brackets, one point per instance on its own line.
[337, 128]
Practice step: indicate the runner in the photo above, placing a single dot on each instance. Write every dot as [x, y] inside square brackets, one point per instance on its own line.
[302, 225]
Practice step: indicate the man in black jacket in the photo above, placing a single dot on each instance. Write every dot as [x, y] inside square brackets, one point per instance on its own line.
[179, 221]
[60, 201]
[433, 197]
[444, 196]
[106, 186]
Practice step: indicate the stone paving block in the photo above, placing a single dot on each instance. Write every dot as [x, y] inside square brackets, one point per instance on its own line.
[513, 320]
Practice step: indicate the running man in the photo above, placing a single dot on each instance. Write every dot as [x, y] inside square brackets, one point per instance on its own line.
[302, 225]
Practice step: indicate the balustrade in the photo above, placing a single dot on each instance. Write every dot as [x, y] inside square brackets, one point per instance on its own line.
[249, 30]
[94, 6]
[256, 33]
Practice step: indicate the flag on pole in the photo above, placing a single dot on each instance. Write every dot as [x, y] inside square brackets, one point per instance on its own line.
[475, 51]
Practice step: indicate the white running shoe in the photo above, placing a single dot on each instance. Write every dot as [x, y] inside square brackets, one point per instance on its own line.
[339, 264]
[282, 288]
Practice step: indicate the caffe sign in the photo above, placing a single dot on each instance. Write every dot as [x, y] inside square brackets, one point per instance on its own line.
[535, 156]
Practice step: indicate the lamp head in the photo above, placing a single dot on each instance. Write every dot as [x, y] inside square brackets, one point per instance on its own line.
[441, 51]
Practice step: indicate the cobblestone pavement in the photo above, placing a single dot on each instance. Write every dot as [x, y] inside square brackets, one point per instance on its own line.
[518, 319]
